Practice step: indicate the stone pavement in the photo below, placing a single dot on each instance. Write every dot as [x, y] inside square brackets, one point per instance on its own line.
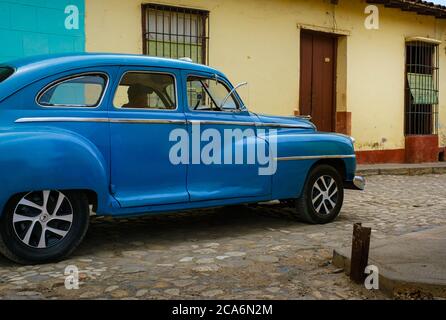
[234, 252]
[414, 262]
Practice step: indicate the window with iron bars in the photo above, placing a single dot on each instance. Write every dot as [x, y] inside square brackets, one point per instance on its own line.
[422, 88]
[174, 32]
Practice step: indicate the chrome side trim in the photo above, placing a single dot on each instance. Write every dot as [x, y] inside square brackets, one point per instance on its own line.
[247, 124]
[153, 121]
[300, 158]
[279, 125]
[117, 120]
[235, 123]
[60, 119]
[147, 121]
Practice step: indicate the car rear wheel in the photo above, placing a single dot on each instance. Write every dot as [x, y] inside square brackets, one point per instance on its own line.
[43, 226]
[322, 197]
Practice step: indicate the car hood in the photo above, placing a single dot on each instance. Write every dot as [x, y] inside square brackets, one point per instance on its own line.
[280, 120]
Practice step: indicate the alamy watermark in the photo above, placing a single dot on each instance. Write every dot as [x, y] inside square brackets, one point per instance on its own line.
[71, 278]
[72, 18]
[225, 147]
[372, 20]
[372, 280]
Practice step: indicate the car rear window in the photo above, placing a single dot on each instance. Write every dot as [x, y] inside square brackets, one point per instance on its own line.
[5, 73]
[84, 90]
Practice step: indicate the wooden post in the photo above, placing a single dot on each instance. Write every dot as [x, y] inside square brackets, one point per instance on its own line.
[360, 253]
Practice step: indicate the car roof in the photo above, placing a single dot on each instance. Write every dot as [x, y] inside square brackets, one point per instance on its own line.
[104, 59]
[30, 69]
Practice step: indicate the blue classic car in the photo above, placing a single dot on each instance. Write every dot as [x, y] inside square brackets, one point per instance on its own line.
[124, 135]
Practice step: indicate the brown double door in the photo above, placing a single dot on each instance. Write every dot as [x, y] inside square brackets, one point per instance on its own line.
[318, 78]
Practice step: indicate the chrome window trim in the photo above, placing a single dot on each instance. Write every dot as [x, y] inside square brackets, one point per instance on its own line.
[147, 109]
[299, 158]
[65, 79]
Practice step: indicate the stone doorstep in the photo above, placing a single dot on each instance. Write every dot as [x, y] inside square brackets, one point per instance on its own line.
[403, 270]
[402, 169]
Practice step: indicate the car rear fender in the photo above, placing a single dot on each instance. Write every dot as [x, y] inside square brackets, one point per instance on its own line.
[56, 159]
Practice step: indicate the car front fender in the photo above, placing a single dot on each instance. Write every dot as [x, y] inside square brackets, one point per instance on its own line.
[298, 152]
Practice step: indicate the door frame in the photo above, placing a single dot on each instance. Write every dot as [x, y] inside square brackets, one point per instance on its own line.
[335, 38]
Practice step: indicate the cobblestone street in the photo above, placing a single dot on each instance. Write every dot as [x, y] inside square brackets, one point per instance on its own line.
[234, 252]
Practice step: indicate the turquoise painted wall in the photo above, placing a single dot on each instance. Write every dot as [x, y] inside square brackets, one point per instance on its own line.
[32, 27]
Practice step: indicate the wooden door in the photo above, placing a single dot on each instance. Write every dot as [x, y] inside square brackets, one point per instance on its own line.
[317, 78]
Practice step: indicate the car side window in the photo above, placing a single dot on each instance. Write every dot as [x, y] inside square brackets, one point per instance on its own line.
[146, 90]
[77, 91]
[205, 94]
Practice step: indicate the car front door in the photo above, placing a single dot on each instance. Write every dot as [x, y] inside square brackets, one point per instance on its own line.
[145, 109]
[223, 161]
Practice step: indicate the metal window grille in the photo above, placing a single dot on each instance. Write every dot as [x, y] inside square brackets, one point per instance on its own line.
[422, 88]
[174, 32]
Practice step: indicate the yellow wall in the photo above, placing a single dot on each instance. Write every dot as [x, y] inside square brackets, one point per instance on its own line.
[258, 41]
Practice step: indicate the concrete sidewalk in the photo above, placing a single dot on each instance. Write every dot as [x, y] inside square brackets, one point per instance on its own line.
[402, 169]
[414, 262]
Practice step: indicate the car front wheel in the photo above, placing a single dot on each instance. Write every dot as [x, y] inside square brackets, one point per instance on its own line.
[322, 197]
[43, 226]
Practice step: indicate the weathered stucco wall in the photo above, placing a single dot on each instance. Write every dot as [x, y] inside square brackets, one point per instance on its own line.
[258, 41]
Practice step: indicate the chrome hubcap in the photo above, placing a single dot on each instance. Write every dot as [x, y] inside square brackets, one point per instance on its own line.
[324, 195]
[42, 219]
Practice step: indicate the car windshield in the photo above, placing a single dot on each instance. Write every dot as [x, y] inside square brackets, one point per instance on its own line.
[5, 73]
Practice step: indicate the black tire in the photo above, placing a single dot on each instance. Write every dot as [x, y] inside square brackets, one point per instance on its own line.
[306, 211]
[15, 249]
